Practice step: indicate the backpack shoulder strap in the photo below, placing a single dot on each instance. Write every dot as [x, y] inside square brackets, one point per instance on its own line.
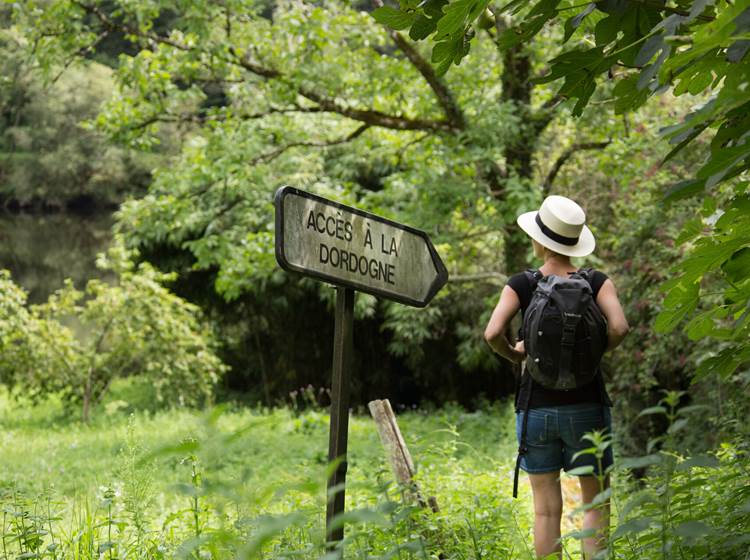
[533, 275]
[586, 273]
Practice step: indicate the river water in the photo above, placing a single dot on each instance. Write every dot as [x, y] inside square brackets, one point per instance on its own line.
[41, 250]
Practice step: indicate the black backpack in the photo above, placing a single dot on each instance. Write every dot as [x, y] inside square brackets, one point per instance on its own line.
[564, 331]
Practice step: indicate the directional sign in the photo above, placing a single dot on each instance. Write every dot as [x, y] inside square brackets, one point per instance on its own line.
[355, 249]
[360, 251]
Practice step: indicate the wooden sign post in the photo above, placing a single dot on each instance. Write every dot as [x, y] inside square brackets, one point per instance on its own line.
[354, 250]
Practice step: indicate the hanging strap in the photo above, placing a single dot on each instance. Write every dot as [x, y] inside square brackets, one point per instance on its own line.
[533, 277]
[522, 449]
[603, 390]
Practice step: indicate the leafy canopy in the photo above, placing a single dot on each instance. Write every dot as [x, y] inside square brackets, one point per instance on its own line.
[691, 47]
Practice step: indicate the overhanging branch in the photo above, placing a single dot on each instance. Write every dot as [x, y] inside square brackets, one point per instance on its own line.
[370, 117]
[444, 96]
[565, 156]
[203, 118]
[273, 154]
[490, 277]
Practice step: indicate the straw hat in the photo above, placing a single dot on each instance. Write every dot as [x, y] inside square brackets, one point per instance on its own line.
[560, 226]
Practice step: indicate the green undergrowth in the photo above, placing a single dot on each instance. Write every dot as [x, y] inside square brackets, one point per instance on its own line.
[250, 483]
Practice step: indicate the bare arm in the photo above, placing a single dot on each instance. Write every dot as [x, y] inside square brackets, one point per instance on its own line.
[494, 333]
[617, 324]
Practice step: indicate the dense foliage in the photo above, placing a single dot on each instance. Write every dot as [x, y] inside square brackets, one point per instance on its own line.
[79, 342]
[353, 111]
[696, 47]
[246, 95]
[49, 158]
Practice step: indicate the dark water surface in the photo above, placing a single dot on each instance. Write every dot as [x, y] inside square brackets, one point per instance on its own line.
[41, 250]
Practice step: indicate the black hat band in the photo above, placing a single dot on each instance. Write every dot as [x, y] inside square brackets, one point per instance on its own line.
[554, 235]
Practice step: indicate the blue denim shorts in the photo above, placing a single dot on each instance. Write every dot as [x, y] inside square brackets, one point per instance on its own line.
[554, 435]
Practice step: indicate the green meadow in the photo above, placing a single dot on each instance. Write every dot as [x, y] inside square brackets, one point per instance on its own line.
[238, 482]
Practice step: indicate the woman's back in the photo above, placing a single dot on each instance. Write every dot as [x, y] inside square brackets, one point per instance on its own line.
[551, 424]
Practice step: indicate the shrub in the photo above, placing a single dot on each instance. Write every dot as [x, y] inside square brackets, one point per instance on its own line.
[78, 342]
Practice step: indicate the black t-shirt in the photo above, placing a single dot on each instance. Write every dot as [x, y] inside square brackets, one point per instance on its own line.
[541, 396]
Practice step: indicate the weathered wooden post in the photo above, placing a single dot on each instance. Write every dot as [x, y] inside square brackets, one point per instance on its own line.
[397, 451]
[338, 436]
[355, 250]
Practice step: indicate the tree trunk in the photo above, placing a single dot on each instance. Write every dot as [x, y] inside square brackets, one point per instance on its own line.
[263, 369]
[86, 399]
[519, 153]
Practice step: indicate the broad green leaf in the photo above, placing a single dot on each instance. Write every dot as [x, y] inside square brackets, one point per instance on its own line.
[632, 526]
[723, 364]
[444, 50]
[640, 462]
[434, 8]
[678, 425]
[690, 230]
[457, 15]
[539, 15]
[513, 6]
[581, 471]
[694, 528]
[737, 51]
[581, 534]
[700, 326]
[394, 18]
[737, 267]
[704, 461]
[606, 30]
[574, 22]
[628, 96]
[690, 409]
[422, 27]
[602, 497]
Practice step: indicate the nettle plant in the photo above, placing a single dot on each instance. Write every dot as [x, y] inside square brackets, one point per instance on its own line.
[667, 503]
[79, 341]
[686, 506]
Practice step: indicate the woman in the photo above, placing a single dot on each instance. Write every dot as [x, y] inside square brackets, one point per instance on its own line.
[558, 419]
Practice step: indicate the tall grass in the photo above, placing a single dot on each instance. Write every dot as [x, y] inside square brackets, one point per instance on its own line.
[251, 484]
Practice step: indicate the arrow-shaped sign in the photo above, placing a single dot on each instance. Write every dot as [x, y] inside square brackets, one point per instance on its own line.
[356, 249]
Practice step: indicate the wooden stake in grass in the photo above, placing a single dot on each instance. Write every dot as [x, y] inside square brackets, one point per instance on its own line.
[396, 450]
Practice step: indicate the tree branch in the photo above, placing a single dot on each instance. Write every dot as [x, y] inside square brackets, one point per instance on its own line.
[269, 156]
[375, 118]
[490, 277]
[565, 156]
[369, 116]
[202, 117]
[445, 97]
[265, 158]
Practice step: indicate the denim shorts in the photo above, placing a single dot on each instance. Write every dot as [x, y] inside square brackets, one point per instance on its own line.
[554, 435]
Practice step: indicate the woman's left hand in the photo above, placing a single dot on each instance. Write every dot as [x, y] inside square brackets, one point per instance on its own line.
[520, 350]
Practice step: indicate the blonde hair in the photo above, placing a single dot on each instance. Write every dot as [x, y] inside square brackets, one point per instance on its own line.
[552, 253]
[546, 251]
